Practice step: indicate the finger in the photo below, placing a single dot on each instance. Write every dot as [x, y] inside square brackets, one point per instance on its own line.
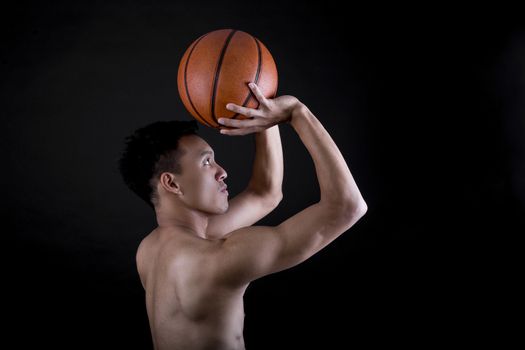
[258, 93]
[238, 132]
[249, 112]
[237, 123]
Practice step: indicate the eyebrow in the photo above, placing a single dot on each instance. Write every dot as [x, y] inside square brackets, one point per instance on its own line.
[205, 152]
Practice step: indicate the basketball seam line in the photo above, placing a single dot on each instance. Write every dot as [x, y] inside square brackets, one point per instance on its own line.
[217, 72]
[257, 75]
[186, 81]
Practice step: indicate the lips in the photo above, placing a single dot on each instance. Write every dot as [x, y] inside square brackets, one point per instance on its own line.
[223, 189]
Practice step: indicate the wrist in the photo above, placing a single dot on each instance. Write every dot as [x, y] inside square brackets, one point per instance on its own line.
[298, 112]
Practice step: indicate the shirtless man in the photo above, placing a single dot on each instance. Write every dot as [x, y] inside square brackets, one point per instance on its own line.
[196, 265]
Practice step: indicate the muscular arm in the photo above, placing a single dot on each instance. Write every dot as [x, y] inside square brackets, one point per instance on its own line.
[253, 252]
[268, 168]
[264, 191]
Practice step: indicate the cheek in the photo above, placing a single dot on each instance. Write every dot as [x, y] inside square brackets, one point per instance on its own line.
[200, 186]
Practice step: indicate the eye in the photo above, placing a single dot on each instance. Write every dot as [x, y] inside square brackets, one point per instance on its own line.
[207, 160]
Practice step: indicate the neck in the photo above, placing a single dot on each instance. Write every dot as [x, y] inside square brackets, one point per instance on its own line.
[192, 221]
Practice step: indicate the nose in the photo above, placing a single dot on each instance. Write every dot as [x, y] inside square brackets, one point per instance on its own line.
[221, 174]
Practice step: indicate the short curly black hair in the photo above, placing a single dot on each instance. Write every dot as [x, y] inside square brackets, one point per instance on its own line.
[150, 151]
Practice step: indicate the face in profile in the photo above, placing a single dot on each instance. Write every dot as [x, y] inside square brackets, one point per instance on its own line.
[202, 179]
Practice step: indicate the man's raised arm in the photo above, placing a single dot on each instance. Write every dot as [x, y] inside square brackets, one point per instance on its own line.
[244, 257]
[341, 204]
[336, 183]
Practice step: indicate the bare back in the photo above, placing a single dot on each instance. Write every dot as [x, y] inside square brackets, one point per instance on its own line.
[195, 287]
[186, 308]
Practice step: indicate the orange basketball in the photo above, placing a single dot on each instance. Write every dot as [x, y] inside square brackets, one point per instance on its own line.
[216, 69]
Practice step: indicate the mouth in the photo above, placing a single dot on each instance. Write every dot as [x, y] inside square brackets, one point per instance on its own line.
[224, 190]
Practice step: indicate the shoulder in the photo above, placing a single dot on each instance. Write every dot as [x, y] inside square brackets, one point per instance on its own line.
[142, 257]
[152, 253]
[145, 246]
[170, 248]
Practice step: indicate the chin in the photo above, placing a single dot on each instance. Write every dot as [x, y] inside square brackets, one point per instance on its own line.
[218, 210]
[225, 209]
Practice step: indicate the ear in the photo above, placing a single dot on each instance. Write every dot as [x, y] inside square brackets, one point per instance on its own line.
[169, 182]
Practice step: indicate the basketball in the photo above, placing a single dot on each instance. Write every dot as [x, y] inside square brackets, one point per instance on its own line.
[216, 69]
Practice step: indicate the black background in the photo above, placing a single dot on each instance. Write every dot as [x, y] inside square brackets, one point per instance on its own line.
[426, 105]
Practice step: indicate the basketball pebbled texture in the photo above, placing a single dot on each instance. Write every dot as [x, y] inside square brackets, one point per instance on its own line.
[216, 69]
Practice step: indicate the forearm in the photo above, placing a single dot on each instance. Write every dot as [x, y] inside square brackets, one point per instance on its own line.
[336, 183]
[268, 168]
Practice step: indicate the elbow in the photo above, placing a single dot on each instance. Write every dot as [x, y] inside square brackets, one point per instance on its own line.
[277, 198]
[361, 208]
[350, 210]
[355, 211]
[274, 199]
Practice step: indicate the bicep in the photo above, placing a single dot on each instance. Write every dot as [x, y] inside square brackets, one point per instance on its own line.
[253, 252]
[247, 254]
[314, 228]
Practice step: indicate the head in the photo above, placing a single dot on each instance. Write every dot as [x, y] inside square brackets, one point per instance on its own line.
[168, 164]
